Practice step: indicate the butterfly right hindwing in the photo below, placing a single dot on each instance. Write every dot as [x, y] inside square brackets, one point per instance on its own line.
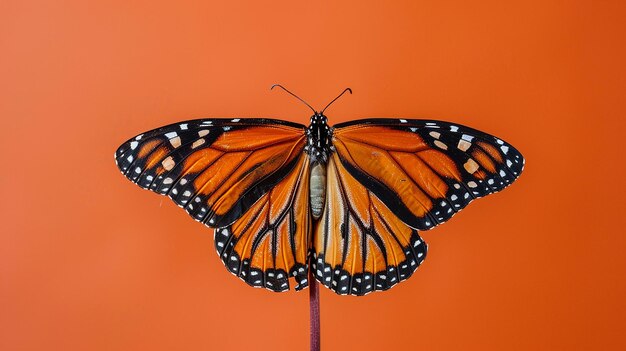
[360, 245]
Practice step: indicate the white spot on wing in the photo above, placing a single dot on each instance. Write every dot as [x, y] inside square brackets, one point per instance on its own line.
[467, 137]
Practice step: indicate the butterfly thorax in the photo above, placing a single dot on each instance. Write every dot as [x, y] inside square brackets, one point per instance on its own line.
[319, 136]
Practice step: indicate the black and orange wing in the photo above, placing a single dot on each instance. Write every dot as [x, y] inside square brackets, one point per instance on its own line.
[425, 170]
[271, 241]
[360, 245]
[389, 178]
[246, 177]
[215, 169]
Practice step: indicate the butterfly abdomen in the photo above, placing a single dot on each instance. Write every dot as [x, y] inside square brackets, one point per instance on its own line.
[318, 189]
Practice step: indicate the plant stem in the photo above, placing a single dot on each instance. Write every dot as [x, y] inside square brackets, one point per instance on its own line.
[314, 308]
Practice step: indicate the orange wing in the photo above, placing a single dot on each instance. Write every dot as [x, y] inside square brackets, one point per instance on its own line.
[360, 245]
[388, 178]
[214, 168]
[425, 170]
[270, 242]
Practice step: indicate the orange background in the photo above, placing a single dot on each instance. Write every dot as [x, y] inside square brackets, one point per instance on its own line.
[88, 261]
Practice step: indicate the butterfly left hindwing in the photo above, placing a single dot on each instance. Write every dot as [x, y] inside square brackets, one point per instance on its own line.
[270, 242]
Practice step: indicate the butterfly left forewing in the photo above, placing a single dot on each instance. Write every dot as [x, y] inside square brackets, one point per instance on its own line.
[425, 170]
[213, 168]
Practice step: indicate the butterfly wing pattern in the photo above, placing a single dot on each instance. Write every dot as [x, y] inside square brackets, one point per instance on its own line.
[425, 170]
[389, 178]
[241, 176]
[386, 179]
[270, 242]
[360, 245]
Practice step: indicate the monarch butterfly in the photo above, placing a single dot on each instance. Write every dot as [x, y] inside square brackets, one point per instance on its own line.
[350, 199]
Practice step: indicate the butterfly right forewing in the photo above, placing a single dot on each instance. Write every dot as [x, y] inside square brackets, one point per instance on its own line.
[426, 170]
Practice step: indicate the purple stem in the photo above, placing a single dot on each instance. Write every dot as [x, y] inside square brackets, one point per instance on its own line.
[314, 307]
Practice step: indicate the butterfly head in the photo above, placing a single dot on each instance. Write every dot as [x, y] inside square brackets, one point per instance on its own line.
[319, 118]
[319, 134]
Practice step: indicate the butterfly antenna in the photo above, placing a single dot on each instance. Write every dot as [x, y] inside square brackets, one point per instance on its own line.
[330, 103]
[292, 94]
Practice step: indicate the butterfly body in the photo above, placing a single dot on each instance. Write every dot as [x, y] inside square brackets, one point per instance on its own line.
[345, 201]
[319, 147]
